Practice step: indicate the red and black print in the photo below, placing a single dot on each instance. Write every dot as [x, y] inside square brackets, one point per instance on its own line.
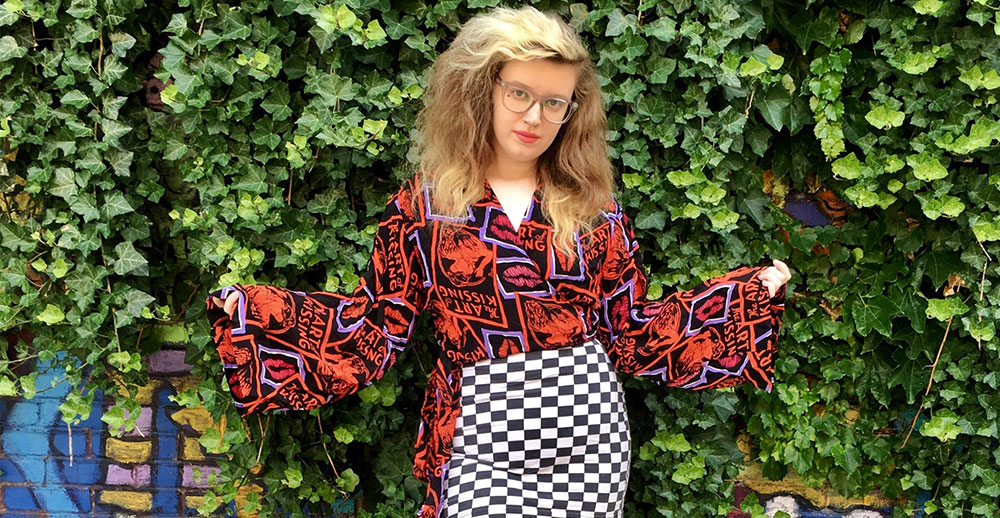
[492, 292]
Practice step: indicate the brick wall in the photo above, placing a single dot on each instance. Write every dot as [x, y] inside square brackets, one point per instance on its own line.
[149, 471]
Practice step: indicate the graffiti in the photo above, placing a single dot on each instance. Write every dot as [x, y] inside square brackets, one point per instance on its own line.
[157, 469]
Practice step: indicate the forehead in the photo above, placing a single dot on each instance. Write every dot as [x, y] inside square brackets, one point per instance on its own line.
[543, 76]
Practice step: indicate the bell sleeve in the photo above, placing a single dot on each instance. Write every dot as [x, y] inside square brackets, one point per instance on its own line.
[720, 333]
[293, 350]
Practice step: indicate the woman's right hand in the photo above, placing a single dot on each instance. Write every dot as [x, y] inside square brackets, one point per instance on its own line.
[228, 305]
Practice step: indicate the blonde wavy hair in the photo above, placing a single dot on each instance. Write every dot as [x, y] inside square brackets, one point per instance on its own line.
[454, 140]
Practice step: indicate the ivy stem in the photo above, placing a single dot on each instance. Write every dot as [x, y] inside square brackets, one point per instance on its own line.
[325, 450]
[914, 423]
[263, 434]
[319, 421]
[982, 285]
[936, 358]
[100, 55]
[183, 310]
[69, 432]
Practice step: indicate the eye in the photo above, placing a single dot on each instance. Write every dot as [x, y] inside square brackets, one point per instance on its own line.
[520, 94]
[554, 103]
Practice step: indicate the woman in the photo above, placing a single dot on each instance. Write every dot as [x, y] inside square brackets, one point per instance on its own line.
[510, 236]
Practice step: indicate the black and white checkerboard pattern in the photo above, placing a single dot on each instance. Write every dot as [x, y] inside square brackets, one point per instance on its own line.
[543, 433]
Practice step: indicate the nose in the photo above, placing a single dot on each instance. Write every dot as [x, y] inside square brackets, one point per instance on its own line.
[534, 114]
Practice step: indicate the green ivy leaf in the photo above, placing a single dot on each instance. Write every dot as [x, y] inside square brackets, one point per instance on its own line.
[9, 49]
[926, 168]
[942, 426]
[671, 442]
[51, 315]
[884, 118]
[943, 309]
[848, 167]
[931, 7]
[128, 260]
[690, 470]
[873, 313]
[348, 480]
[7, 387]
[293, 477]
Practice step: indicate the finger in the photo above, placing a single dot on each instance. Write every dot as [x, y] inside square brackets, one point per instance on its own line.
[783, 268]
[231, 303]
[217, 301]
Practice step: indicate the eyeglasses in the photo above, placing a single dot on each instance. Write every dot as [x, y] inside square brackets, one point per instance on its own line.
[519, 99]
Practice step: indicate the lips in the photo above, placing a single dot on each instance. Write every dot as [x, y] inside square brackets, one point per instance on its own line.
[395, 322]
[711, 306]
[521, 276]
[503, 232]
[278, 370]
[526, 137]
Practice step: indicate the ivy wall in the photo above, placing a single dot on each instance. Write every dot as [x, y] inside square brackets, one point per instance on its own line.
[151, 153]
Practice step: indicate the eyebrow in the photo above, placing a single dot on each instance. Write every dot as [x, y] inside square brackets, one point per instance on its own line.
[526, 87]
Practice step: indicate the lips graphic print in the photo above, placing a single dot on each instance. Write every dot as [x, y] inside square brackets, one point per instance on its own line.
[278, 369]
[521, 276]
[490, 291]
[397, 321]
[501, 228]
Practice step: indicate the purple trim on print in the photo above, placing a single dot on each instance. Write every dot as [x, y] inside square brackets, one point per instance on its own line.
[630, 286]
[516, 335]
[440, 217]
[725, 314]
[505, 244]
[424, 263]
[579, 255]
[393, 345]
[548, 291]
[241, 310]
[349, 302]
[763, 336]
[706, 368]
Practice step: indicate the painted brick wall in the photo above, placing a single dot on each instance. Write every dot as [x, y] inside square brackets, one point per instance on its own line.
[151, 470]
[148, 472]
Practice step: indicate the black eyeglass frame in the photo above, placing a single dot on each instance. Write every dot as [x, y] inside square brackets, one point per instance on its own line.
[573, 105]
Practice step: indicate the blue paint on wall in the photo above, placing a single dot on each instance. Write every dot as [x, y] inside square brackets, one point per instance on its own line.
[35, 445]
[166, 473]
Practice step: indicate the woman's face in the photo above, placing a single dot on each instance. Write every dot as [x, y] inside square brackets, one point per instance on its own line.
[523, 137]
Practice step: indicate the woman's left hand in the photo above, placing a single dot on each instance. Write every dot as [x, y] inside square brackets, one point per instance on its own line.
[775, 276]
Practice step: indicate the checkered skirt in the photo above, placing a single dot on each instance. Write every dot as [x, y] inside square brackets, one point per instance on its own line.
[543, 433]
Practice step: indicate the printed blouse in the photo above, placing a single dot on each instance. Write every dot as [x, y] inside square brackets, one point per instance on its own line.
[492, 291]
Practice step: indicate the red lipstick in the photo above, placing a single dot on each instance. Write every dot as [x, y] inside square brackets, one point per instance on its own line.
[526, 136]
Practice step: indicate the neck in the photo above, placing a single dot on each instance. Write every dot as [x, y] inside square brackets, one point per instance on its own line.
[512, 172]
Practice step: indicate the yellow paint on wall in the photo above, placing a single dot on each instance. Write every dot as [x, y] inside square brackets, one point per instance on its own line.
[193, 501]
[192, 449]
[197, 418]
[128, 451]
[145, 394]
[752, 476]
[241, 500]
[132, 500]
[182, 383]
